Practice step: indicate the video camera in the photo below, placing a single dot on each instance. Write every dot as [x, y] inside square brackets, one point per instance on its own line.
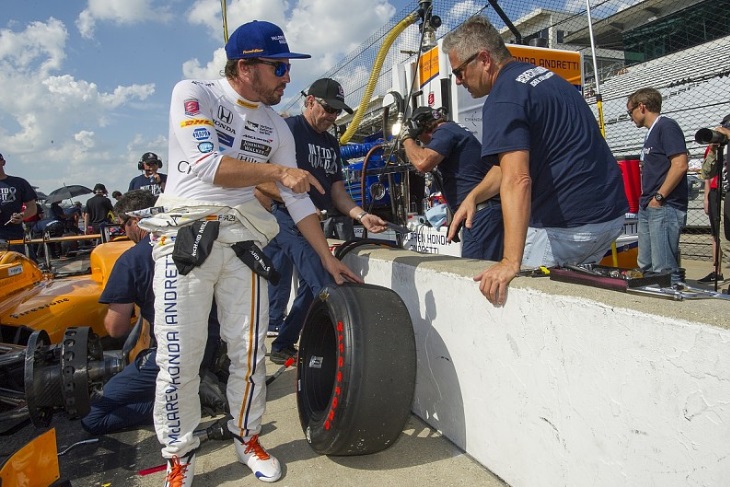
[709, 136]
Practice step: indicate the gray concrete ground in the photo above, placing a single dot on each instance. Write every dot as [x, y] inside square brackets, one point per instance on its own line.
[420, 457]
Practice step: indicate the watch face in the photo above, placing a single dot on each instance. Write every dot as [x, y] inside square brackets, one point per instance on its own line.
[658, 197]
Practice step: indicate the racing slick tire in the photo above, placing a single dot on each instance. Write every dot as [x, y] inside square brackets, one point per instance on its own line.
[356, 370]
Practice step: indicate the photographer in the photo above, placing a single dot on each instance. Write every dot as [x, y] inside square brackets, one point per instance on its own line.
[723, 218]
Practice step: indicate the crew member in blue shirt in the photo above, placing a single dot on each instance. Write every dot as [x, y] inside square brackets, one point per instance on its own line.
[562, 193]
[664, 193]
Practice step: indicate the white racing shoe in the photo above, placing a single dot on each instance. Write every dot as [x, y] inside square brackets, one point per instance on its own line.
[264, 466]
[180, 471]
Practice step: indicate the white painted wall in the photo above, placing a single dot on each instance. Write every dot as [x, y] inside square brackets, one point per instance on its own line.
[566, 385]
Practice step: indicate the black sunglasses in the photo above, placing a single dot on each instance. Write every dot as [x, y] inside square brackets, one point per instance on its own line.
[280, 67]
[325, 106]
[459, 70]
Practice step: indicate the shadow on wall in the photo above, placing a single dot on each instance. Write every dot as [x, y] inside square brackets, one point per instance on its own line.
[438, 399]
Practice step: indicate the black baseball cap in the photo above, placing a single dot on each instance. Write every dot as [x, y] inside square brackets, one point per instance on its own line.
[99, 187]
[260, 39]
[330, 91]
[150, 158]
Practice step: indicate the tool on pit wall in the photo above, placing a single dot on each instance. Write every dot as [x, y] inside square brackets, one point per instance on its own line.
[541, 271]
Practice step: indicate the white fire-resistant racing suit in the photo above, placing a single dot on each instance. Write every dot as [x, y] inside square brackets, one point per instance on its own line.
[208, 119]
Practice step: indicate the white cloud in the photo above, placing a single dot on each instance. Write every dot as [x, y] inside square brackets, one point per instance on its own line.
[208, 13]
[119, 12]
[212, 70]
[86, 138]
[326, 29]
[53, 119]
[41, 47]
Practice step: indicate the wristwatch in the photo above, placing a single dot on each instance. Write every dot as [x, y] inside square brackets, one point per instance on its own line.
[659, 197]
[361, 216]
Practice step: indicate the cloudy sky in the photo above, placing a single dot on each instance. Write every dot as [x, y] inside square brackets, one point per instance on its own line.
[86, 85]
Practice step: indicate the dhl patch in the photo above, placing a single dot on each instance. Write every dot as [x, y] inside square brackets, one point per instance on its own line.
[196, 121]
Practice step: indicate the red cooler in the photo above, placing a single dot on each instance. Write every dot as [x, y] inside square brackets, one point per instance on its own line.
[632, 180]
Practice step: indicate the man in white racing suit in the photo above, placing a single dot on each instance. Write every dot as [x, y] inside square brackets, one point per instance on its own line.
[224, 140]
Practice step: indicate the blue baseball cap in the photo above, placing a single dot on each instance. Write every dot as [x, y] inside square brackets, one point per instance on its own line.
[259, 39]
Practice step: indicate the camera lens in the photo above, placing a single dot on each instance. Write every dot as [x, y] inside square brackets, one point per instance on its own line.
[709, 136]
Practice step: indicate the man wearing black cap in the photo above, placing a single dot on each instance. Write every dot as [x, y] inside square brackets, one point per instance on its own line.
[17, 201]
[151, 180]
[98, 210]
[224, 140]
[319, 153]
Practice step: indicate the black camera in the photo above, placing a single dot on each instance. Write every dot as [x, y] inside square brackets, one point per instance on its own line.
[709, 136]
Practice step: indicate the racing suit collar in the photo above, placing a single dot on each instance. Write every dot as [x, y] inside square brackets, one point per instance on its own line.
[235, 98]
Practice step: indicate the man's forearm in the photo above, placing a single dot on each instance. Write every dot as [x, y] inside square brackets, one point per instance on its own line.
[488, 187]
[312, 231]
[516, 211]
[677, 171]
[270, 190]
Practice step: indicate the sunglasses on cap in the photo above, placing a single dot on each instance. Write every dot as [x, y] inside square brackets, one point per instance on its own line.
[327, 108]
[280, 67]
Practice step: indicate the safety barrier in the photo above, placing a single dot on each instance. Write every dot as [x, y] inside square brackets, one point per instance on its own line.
[566, 384]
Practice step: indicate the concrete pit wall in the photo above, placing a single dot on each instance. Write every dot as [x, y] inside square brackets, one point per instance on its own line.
[566, 385]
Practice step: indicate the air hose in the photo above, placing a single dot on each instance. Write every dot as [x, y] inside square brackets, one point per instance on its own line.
[375, 73]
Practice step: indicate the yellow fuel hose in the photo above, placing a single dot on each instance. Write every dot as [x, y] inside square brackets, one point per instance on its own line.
[374, 74]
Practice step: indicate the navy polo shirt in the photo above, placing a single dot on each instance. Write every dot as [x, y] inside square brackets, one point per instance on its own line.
[131, 280]
[575, 178]
[664, 140]
[463, 167]
[320, 155]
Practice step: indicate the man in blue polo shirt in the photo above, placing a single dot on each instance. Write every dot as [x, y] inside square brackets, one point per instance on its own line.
[457, 154]
[664, 193]
[17, 201]
[318, 152]
[150, 180]
[563, 200]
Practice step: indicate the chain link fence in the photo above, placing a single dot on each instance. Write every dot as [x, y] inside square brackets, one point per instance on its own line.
[679, 47]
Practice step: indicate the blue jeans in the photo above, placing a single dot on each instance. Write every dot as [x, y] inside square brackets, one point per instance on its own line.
[279, 293]
[128, 398]
[340, 227]
[312, 276]
[586, 244]
[485, 239]
[659, 230]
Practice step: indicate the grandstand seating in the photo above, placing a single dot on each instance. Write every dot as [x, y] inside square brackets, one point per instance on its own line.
[695, 84]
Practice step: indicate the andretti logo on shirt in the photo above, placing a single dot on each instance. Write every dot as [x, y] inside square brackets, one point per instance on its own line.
[255, 148]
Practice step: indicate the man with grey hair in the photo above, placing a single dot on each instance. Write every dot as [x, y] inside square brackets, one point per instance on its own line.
[318, 152]
[562, 193]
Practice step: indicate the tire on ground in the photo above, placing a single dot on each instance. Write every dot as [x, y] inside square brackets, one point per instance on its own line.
[356, 370]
